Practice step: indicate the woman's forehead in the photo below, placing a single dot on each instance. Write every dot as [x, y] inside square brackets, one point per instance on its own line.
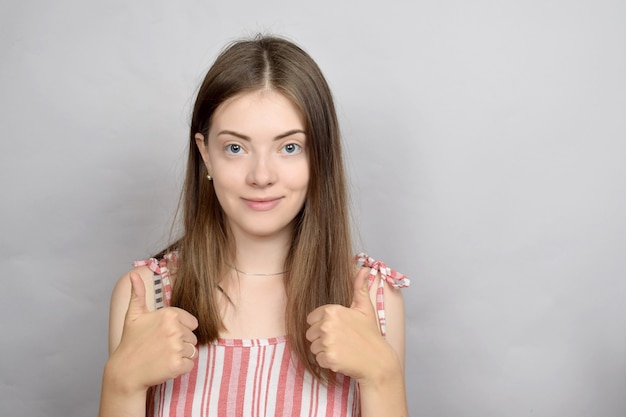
[264, 109]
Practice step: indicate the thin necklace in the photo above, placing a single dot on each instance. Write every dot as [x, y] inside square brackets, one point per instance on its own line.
[256, 274]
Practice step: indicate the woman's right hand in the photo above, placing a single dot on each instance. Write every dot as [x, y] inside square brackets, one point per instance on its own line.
[155, 345]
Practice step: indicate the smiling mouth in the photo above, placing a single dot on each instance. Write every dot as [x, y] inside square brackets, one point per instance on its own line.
[262, 204]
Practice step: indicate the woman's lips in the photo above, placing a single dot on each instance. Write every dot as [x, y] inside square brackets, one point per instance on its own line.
[262, 205]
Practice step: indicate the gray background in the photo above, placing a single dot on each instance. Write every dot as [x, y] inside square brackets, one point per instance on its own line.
[486, 143]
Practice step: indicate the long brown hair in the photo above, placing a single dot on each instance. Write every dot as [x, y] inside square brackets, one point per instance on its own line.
[319, 259]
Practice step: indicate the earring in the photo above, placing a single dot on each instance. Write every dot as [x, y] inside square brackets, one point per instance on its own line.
[209, 177]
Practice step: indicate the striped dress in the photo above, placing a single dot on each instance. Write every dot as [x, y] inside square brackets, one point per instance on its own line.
[258, 377]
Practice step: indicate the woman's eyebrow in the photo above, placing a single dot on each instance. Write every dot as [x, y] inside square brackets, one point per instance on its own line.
[230, 132]
[247, 138]
[289, 133]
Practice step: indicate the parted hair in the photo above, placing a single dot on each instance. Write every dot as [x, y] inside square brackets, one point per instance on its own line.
[319, 260]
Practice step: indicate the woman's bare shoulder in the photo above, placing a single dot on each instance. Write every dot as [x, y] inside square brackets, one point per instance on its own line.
[120, 298]
[121, 291]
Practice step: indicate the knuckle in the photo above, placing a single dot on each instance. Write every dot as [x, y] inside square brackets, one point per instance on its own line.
[175, 346]
[326, 327]
[331, 361]
[333, 308]
[333, 311]
[330, 310]
[170, 313]
[174, 333]
[325, 343]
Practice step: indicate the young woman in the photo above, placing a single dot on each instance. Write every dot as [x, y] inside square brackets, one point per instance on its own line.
[260, 308]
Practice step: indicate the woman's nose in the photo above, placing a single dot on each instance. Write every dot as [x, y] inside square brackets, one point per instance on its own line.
[262, 171]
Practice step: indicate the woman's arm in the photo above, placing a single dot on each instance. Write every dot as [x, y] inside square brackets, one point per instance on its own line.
[146, 347]
[386, 395]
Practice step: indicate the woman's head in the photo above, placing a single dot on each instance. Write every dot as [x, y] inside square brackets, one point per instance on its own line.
[318, 261]
[267, 63]
[256, 153]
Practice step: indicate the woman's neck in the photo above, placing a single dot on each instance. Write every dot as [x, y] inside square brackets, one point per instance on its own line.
[261, 255]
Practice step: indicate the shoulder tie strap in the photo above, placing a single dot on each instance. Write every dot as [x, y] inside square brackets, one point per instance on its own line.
[162, 283]
[387, 275]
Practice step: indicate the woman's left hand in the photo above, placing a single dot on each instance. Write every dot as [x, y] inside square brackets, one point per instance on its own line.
[348, 340]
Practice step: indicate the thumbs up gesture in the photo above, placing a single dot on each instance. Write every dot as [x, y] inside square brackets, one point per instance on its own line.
[155, 346]
[348, 340]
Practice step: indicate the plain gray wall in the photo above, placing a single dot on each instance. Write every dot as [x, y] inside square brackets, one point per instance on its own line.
[486, 144]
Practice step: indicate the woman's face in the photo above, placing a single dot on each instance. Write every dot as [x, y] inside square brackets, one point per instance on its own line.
[256, 155]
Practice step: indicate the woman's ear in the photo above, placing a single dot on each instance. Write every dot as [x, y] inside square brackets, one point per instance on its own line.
[203, 148]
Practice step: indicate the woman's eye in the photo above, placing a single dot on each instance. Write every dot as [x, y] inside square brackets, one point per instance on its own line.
[233, 148]
[292, 148]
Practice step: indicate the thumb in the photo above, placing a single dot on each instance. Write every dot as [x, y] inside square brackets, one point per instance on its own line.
[361, 298]
[137, 304]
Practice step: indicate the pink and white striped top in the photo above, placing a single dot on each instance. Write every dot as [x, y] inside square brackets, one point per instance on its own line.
[259, 377]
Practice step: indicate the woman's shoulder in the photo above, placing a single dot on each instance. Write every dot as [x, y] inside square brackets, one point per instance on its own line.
[384, 283]
[385, 286]
[120, 299]
[122, 289]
